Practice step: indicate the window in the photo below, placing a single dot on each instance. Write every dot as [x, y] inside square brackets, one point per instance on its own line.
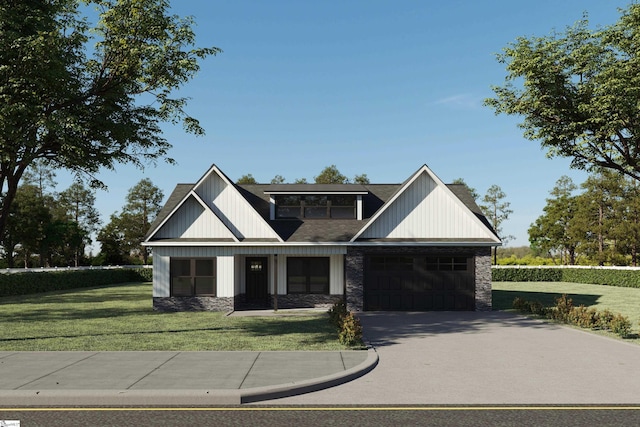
[447, 263]
[193, 276]
[316, 206]
[392, 263]
[307, 275]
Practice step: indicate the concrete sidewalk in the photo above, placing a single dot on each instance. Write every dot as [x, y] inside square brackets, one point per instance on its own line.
[171, 378]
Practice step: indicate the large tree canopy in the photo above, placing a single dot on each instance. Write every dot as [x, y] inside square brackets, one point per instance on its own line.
[86, 98]
[579, 92]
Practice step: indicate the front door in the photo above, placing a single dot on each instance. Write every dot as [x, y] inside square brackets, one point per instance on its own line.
[257, 280]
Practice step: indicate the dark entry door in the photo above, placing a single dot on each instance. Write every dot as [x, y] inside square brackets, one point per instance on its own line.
[257, 280]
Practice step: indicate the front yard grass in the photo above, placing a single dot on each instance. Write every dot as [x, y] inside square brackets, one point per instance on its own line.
[121, 318]
[625, 301]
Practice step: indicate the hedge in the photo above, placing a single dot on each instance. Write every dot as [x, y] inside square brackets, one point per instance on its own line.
[46, 281]
[595, 276]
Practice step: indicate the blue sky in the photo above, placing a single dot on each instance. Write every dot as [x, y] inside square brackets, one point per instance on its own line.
[375, 87]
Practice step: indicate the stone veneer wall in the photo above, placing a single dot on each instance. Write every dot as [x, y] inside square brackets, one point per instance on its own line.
[307, 301]
[354, 270]
[192, 304]
[483, 279]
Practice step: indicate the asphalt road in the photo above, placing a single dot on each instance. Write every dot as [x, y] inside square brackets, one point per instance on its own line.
[325, 416]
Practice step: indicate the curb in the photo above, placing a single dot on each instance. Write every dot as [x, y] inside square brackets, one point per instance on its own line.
[87, 398]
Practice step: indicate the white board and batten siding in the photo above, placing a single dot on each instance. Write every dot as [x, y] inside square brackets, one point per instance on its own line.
[225, 200]
[231, 261]
[192, 220]
[426, 209]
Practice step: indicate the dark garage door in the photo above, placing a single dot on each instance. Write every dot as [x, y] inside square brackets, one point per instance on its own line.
[419, 283]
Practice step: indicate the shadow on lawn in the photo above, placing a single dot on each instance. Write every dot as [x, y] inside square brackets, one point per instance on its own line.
[104, 334]
[503, 300]
[315, 329]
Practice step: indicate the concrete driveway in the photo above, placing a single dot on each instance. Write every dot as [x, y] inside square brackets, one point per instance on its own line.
[485, 358]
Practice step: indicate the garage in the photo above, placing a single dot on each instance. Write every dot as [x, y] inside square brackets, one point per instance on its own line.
[419, 282]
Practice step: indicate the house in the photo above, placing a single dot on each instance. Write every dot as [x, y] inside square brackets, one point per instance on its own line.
[419, 245]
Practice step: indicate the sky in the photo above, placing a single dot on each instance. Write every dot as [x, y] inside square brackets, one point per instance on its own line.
[374, 87]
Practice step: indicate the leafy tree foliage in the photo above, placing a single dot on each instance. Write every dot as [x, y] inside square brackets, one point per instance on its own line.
[86, 98]
[554, 231]
[278, 179]
[362, 179]
[246, 179]
[497, 211]
[578, 92]
[144, 201]
[331, 175]
[112, 243]
[600, 224]
[77, 205]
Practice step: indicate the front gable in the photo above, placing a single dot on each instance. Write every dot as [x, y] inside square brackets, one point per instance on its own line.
[423, 209]
[214, 209]
[194, 220]
[224, 199]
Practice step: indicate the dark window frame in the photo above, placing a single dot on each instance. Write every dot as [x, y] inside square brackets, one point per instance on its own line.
[316, 204]
[195, 264]
[308, 264]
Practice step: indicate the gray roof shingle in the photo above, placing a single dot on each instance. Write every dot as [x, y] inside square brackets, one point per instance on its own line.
[315, 230]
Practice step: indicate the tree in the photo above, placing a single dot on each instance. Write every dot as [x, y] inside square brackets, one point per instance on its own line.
[361, 179]
[278, 179]
[112, 244]
[144, 201]
[28, 223]
[246, 179]
[331, 175]
[497, 211]
[85, 98]
[554, 231]
[627, 220]
[77, 205]
[578, 92]
[473, 191]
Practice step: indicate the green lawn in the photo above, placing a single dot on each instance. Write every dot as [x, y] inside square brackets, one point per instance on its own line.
[625, 301]
[121, 318]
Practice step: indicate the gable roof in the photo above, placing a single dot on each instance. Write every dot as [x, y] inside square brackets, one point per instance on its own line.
[378, 201]
[425, 208]
[215, 185]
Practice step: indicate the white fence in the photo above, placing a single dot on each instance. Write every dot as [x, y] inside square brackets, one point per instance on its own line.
[91, 267]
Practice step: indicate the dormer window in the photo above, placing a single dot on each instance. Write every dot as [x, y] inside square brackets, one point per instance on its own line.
[316, 201]
[316, 206]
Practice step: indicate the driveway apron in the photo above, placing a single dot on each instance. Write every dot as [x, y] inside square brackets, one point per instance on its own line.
[486, 358]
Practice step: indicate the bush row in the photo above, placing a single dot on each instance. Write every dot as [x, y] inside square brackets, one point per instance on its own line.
[594, 276]
[585, 317]
[46, 281]
[348, 325]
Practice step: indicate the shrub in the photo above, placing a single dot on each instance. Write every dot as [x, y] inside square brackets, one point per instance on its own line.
[351, 331]
[337, 313]
[348, 325]
[562, 310]
[526, 274]
[620, 325]
[604, 319]
[46, 281]
[529, 307]
[595, 276]
[584, 317]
